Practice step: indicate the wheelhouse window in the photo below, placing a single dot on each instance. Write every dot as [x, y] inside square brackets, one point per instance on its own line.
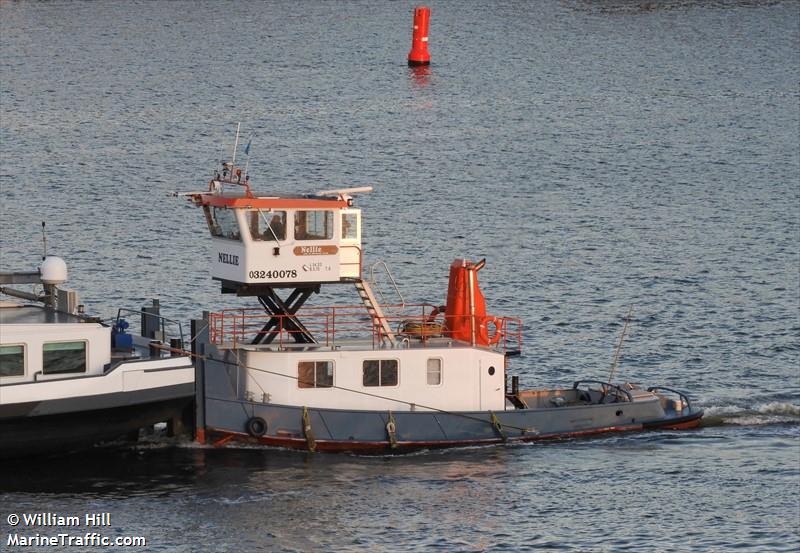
[313, 225]
[315, 374]
[380, 372]
[222, 223]
[349, 226]
[64, 358]
[267, 225]
[12, 360]
[434, 372]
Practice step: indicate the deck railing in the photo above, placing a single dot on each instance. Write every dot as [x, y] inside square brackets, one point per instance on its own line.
[332, 326]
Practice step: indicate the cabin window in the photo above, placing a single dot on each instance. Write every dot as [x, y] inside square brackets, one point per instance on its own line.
[267, 225]
[315, 374]
[223, 223]
[313, 225]
[12, 360]
[64, 358]
[349, 226]
[380, 372]
[434, 372]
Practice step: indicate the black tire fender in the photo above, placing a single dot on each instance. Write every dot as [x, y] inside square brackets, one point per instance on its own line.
[256, 426]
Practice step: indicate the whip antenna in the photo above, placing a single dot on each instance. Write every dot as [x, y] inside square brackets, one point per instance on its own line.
[619, 345]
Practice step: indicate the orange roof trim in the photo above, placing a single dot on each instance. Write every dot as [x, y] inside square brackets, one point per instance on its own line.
[240, 202]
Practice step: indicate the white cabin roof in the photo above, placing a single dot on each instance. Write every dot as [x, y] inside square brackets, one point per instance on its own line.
[36, 315]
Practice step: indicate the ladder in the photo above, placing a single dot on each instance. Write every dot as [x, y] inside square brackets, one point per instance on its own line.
[379, 322]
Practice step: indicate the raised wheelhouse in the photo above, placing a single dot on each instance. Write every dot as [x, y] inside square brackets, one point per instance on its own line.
[281, 241]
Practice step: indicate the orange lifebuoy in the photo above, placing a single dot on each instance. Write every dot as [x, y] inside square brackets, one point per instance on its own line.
[498, 326]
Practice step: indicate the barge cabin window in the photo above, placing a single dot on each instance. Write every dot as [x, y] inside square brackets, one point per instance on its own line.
[315, 374]
[380, 372]
[434, 371]
[267, 225]
[64, 357]
[12, 360]
[313, 225]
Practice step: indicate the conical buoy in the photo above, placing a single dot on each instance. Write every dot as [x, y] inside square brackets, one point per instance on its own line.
[419, 39]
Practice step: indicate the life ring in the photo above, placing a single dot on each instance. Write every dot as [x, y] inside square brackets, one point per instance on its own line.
[256, 426]
[498, 325]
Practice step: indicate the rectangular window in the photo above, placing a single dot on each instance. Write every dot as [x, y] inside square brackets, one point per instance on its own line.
[313, 225]
[223, 224]
[267, 225]
[380, 372]
[12, 360]
[434, 372]
[64, 358]
[315, 374]
[349, 226]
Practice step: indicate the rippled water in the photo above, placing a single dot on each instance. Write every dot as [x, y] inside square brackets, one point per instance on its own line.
[600, 155]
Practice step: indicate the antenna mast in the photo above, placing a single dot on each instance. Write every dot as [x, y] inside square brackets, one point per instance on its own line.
[619, 346]
[235, 145]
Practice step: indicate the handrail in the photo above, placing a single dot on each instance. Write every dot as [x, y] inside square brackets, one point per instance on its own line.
[680, 394]
[331, 324]
[605, 386]
[374, 283]
[160, 318]
[360, 258]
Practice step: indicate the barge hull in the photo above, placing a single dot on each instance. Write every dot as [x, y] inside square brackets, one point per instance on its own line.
[62, 432]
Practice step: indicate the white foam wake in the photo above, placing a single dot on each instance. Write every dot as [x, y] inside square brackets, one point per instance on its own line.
[774, 412]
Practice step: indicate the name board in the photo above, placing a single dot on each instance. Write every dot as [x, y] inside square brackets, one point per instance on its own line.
[316, 250]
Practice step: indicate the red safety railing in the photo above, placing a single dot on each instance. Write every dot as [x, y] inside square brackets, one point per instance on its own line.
[335, 325]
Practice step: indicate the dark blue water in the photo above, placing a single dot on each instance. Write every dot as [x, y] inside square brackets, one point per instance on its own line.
[600, 155]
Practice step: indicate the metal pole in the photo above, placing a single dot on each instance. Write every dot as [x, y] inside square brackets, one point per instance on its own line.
[235, 145]
[471, 282]
[619, 346]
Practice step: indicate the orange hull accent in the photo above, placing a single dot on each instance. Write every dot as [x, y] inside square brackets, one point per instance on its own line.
[683, 425]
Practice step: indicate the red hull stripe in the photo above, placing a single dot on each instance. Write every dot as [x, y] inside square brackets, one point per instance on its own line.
[330, 445]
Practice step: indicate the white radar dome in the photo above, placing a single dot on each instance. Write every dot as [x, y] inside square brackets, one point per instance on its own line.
[53, 270]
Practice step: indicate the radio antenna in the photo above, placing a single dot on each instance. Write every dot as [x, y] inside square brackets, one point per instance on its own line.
[619, 345]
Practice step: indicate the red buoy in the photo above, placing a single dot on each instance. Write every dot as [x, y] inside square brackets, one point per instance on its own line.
[419, 39]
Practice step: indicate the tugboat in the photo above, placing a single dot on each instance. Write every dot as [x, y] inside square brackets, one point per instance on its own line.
[370, 377]
[68, 381]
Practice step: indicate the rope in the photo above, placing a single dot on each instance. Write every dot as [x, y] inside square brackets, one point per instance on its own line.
[498, 426]
[307, 432]
[391, 430]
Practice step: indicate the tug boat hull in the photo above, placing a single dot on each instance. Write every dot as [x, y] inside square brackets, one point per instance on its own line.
[370, 431]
